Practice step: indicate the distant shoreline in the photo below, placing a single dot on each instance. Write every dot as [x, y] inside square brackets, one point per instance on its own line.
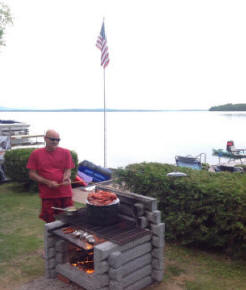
[229, 107]
[93, 110]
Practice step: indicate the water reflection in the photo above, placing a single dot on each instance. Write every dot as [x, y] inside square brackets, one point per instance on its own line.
[134, 137]
[231, 115]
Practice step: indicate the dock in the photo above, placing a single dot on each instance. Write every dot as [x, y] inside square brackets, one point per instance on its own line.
[16, 134]
[26, 140]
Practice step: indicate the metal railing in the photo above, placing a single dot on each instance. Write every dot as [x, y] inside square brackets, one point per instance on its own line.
[26, 140]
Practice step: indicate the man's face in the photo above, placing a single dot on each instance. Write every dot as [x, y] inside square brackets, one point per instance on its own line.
[52, 140]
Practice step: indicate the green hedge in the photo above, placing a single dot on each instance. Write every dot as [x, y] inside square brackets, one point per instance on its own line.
[204, 209]
[15, 165]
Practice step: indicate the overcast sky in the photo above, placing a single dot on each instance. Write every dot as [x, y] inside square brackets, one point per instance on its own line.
[173, 54]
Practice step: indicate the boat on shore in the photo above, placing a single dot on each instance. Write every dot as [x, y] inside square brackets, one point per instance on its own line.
[193, 162]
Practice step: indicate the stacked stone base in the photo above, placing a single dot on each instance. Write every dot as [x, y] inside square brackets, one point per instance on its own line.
[132, 266]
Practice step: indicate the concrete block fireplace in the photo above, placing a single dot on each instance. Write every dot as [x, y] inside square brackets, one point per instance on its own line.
[127, 255]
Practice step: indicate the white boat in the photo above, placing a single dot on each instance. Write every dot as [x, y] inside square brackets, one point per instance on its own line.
[194, 162]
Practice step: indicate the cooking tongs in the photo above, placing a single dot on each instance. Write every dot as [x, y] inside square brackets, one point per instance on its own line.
[68, 210]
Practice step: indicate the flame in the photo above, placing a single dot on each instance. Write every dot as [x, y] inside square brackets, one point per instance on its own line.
[86, 265]
[74, 264]
[89, 246]
[82, 258]
[89, 271]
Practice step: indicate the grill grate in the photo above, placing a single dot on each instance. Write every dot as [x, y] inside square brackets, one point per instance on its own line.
[121, 233]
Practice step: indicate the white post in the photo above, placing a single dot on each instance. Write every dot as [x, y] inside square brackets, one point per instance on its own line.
[105, 140]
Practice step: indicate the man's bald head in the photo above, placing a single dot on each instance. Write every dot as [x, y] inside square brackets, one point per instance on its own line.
[52, 133]
[52, 139]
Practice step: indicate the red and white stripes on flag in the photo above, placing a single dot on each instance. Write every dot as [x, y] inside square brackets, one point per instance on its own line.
[102, 45]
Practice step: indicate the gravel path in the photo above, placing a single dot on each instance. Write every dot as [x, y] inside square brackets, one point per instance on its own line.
[48, 284]
[55, 284]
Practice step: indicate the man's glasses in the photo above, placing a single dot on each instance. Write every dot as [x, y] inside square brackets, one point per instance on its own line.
[53, 139]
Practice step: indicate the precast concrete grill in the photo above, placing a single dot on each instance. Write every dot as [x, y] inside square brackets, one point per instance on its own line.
[127, 255]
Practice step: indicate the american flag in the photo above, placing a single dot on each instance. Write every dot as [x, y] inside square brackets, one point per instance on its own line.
[102, 45]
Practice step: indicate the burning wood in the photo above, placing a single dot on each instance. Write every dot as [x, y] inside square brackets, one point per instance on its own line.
[82, 259]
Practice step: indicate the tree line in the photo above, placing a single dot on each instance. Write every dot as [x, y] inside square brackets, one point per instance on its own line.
[229, 107]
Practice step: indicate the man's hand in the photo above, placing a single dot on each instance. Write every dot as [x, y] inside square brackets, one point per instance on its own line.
[66, 181]
[51, 183]
[36, 177]
[66, 177]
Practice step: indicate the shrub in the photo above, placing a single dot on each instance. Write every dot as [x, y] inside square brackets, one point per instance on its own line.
[15, 166]
[203, 209]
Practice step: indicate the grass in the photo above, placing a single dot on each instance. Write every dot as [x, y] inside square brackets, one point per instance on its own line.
[21, 236]
[194, 269]
[21, 245]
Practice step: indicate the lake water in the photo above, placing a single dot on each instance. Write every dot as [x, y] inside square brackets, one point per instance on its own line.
[134, 137]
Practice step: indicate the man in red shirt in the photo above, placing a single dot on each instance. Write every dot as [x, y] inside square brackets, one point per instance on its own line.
[51, 168]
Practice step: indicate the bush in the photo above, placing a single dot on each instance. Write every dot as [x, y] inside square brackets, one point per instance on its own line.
[15, 166]
[203, 209]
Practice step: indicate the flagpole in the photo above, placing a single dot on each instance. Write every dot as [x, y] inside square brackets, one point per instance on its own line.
[105, 143]
[102, 45]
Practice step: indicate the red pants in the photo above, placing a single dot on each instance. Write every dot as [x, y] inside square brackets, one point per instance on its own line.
[47, 213]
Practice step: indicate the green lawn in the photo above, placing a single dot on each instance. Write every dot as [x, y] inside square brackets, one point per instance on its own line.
[198, 270]
[21, 236]
[21, 245]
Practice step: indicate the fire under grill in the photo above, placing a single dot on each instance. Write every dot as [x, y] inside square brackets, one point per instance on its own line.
[81, 259]
[127, 255]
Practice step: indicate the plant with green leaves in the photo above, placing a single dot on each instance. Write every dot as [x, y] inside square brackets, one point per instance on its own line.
[15, 166]
[21, 247]
[5, 19]
[204, 209]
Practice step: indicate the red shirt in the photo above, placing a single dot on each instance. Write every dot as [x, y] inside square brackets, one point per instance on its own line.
[51, 165]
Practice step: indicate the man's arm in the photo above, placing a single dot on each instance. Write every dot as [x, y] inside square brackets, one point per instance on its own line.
[36, 177]
[66, 176]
